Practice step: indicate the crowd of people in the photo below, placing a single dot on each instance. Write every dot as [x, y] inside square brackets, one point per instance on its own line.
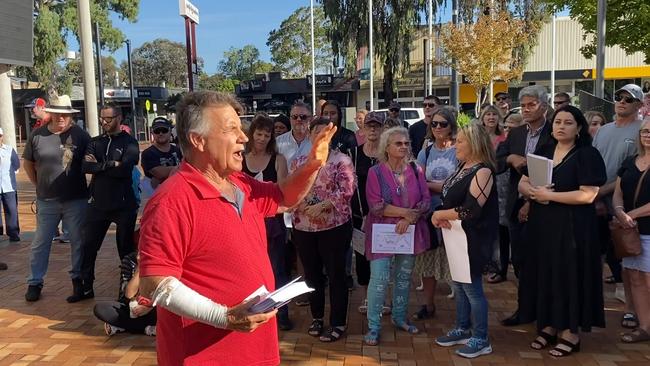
[307, 185]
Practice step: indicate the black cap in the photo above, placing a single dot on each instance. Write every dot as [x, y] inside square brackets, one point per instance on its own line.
[161, 122]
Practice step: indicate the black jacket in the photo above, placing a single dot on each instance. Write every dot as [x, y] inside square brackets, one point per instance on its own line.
[516, 144]
[111, 187]
[344, 141]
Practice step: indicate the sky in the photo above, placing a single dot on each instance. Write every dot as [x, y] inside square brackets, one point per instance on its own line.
[222, 24]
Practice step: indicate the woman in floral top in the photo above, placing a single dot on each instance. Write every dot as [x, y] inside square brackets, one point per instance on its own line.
[397, 194]
[322, 233]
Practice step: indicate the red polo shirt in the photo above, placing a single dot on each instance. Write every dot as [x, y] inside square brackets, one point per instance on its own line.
[191, 232]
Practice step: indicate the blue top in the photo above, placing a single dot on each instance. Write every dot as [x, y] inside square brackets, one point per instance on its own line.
[439, 165]
[9, 164]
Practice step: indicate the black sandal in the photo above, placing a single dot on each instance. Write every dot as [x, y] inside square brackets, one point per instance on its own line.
[332, 334]
[316, 328]
[573, 348]
[629, 321]
[543, 340]
[610, 280]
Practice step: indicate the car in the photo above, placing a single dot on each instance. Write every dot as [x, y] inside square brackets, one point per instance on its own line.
[410, 115]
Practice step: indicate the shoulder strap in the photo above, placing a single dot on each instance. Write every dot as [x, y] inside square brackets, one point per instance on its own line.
[638, 187]
[427, 151]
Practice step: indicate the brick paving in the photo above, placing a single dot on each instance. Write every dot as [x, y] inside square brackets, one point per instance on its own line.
[53, 332]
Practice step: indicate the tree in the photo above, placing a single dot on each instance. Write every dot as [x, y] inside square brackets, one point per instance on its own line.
[291, 43]
[243, 63]
[217, 82]
[109, 67]
[627, 24]
[158, 61]
[55, 19]
[483, 51]
[394, 24]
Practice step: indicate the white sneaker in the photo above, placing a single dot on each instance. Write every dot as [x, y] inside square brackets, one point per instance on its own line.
[150, 330]
[112, 330]
[619, 294]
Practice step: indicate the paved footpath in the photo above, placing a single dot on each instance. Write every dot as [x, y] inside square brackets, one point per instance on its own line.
[53, 332]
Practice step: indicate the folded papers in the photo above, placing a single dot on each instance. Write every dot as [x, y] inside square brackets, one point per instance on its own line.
[272, 300]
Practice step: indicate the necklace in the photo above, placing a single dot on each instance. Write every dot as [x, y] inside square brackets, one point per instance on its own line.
[398, 179]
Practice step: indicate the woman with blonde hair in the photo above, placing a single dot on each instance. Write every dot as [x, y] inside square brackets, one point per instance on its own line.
[470, 195]
[397, 194]
[595, 120]
[490, 118]
[360, 133]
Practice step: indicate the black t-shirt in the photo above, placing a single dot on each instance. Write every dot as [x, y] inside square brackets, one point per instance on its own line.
[152, 157]
[58, 159]
[362, 167]
[417, 134]
[630, 175]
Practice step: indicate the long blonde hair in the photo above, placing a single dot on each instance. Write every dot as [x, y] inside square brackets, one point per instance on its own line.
[639, 146]
[479, 142]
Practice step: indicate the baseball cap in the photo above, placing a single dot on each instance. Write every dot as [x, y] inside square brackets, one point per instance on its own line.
[634, 90]
[40, 102]
[161, 122]
[501, 93]
[394, 105]
[375, 117]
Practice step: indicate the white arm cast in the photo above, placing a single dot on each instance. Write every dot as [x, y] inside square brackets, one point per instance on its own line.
[174, 296]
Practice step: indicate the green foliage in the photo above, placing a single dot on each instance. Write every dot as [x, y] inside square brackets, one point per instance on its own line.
[243, 63]
[109, 67]
[628, 24]
[394, 25]
[463, 119]
[291, 43]
[56, 19]
[158, 61]
[217, 82]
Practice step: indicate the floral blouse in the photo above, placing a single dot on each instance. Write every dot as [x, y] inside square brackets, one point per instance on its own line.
[336, 183]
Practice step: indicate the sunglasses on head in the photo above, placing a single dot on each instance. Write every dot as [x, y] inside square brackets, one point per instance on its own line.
[302, 117]
[627, 100]
[159, 131]
[435, 124]
[430, 105]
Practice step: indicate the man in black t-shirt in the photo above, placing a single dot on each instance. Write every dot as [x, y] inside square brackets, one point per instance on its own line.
[52, 160]
[161, 159]
[418, 130]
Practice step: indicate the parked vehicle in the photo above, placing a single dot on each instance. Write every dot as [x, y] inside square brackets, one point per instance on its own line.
[410, 115]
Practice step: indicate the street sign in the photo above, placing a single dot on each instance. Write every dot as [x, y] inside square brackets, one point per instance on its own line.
[147, 105]
[188, 10]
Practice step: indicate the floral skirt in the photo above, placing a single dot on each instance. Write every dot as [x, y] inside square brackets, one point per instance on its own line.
[433, 263]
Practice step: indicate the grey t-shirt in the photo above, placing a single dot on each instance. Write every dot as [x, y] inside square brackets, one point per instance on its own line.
[615, 144]
[58, 159]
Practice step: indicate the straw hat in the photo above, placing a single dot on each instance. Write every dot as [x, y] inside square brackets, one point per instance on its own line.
[61, 104]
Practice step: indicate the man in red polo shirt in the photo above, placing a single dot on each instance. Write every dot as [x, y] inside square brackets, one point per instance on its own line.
[203, 240]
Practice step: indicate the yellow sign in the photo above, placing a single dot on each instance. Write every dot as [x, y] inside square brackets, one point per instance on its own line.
[147, 105]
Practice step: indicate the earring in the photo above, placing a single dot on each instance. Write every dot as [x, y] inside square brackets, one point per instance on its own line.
[578, 135]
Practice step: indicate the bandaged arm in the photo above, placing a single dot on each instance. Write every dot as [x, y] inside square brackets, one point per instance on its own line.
[174, 296]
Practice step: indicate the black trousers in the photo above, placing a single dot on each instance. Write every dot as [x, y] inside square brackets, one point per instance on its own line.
[97, 224]
[117, 314]
[504, 250]
[327, 249]
[361, 263]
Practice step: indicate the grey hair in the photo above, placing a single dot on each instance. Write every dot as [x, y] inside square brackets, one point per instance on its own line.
[301, 104]
[189, 115]
[384, 139]
[535, 91]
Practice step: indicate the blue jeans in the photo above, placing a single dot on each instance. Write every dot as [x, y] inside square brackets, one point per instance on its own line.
[10, 207]
[472, 307]
[49, 213]
[379, 274]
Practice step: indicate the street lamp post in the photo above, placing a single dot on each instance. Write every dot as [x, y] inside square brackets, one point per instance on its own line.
[98, 52]
[132, 88]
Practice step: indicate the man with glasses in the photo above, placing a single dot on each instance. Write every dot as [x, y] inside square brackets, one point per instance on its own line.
[418, 130]
[162, 158]
[615, 142]
[561, 99]
[296, 142]
[110, 159]
[503, 102]
[533, 136]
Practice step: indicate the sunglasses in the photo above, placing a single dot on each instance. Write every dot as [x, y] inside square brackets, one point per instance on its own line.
[302, 117]
[159, 131]
[560, 102]
[429, 105]
[499, 99]
[402, 143]
[628, 100]
[435, 124]
[394, 110]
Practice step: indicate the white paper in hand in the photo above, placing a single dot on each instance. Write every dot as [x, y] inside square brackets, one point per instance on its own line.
[456, 246]
[278, 298]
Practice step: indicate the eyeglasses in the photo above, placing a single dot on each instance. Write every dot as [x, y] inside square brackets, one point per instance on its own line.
[402, 143]
[302, 117]
[620, 98]
[435, 124]
[644, 132]
[429, 105]
[108, 119]
[499, 99]
[160, 131]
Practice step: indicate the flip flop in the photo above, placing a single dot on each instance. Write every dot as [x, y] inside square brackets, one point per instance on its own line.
[638, 335]
[629, 321]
